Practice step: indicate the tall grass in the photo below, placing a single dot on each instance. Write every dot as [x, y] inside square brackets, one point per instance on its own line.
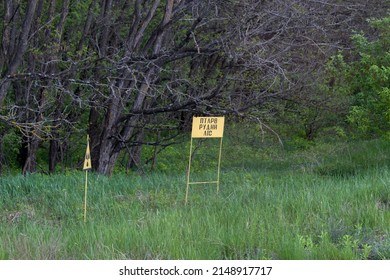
[327, 202]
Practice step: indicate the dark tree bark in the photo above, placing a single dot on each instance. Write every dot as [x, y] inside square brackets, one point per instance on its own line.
[21, 47]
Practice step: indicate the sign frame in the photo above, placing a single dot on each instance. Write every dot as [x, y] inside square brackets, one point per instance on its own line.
[206, 127]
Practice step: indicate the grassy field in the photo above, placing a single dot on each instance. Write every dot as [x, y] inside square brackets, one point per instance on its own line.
[327, 201]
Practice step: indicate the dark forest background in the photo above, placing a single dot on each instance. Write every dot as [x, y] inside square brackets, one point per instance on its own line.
[131, 74]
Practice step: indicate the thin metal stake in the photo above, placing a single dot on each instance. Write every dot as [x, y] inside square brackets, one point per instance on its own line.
[188, 172]
[85, 196]
[219, 164]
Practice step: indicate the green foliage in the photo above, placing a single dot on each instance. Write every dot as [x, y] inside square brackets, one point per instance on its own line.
[10, 145]
[368, 81]
[350, 159]
[318, 111]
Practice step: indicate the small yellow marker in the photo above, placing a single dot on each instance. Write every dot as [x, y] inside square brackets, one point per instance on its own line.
[87, 166]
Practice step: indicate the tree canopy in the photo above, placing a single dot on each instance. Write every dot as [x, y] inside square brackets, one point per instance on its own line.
[131, 73]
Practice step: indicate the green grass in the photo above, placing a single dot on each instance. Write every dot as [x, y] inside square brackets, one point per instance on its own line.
[324, 202]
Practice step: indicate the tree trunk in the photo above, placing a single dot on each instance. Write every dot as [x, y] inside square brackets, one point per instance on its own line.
[17, 56]
[135, 152]
[30, 163]
[53, 152]
[113, 139]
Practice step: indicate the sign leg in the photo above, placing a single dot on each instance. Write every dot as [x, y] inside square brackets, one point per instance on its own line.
[219, 164]
[188, 173]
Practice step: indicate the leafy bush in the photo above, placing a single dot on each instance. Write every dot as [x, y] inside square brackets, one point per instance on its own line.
[368, 81]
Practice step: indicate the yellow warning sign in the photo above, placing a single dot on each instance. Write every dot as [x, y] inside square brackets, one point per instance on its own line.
[87, 160]
[207, 127]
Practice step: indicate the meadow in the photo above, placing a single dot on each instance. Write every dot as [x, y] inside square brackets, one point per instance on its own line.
[323, 201]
